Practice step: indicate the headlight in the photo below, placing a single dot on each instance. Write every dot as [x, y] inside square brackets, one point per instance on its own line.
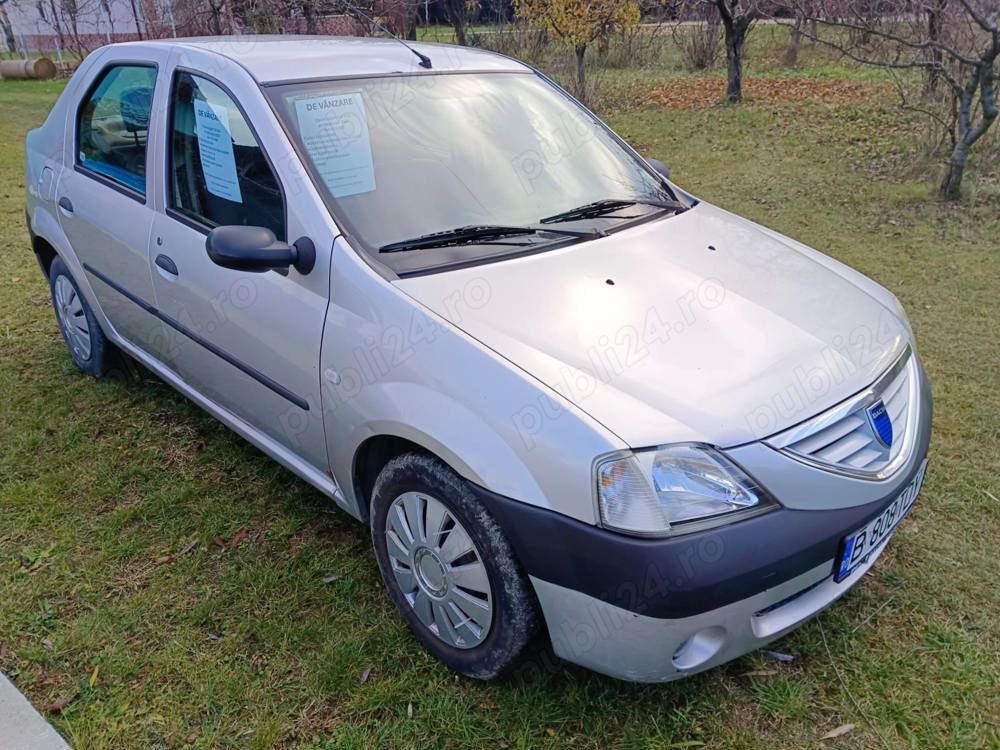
[653, 492]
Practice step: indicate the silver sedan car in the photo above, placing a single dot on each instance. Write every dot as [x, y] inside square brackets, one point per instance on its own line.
[570, 399]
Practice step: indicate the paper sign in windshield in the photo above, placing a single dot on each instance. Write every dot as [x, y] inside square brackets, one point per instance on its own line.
[334, 130]
[215, 147]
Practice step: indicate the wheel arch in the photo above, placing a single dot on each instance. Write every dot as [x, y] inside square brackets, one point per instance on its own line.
[45, 252]
[369, 459]
[480, 457]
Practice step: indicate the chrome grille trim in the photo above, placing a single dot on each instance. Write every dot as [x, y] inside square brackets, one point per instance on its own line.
[841, 440]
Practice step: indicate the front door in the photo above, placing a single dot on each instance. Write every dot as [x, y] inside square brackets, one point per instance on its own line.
[103, 201]
[248, 341]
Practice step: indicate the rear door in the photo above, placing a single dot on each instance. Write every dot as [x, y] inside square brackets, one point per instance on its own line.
[103, 199]
[248, 341]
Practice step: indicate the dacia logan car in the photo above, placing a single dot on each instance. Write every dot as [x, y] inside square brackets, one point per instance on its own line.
[568, 397]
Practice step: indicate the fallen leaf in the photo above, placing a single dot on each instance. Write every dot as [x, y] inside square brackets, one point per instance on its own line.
[239, 537]
[47, 644]
[366, 674]
[779, 656]
[190, 546]
[15, 279]
[330, 579]
[760, 673]
[93, 675]
[409, 710]
[218, 542]
[550, 731]
[61, 705]
[838, 732]
[192, 737]
[165, 559]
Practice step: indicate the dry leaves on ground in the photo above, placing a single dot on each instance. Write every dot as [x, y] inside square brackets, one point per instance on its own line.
[704, 92]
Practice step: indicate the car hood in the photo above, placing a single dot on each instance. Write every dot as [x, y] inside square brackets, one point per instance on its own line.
[699, 327]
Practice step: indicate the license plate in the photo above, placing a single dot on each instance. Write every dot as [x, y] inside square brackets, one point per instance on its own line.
[859, 546]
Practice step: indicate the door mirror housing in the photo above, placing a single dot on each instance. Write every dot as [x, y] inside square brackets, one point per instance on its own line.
[256, 249]
[659, 167]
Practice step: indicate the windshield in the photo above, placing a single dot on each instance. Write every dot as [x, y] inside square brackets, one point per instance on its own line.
[401, 157]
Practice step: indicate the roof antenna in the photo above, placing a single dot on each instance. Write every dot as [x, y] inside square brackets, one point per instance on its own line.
[425, 61]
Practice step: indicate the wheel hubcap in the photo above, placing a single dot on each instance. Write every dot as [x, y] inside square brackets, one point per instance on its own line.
[72, 318]
[439, 570]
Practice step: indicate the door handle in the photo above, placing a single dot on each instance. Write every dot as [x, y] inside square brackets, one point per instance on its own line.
[166, 263]
[66, 204]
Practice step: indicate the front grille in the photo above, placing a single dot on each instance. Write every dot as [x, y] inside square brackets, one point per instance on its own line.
[844, 438]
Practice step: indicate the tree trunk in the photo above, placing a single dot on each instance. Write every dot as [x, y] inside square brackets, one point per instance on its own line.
[935, 27]
[792, 53]
[138, 20]
[736, 37]
[57, 25]
[581, 73]
[106, 7]
[8, 29]
[214, 18]
[455, 10]
[982, 79]
[951, 186]
[309, 14]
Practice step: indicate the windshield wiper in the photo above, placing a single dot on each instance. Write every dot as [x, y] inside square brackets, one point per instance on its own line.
[608, 206]
[476, 233]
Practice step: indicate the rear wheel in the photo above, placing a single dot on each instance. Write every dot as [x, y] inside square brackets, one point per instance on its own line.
[83, 336]
[449, 569]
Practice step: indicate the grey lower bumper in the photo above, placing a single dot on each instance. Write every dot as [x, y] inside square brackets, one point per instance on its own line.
[616, 642]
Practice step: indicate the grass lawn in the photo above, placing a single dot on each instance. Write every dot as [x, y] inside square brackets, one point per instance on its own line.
[240, 642]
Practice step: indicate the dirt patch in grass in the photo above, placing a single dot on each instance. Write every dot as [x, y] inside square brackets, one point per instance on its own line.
[706, 92]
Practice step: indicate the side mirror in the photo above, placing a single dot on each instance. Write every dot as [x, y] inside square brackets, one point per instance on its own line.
[659, 167]
[257, 249]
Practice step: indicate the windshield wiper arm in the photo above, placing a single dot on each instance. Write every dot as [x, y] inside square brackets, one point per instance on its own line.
[610, 205]
[475, 233]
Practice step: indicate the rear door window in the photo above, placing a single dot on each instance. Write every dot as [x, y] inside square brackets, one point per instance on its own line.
[219, 174]
[113, 126]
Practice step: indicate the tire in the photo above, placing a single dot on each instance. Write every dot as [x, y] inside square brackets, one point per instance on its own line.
[84, 338]
[444, 588]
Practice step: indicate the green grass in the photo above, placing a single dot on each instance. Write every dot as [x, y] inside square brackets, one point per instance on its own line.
[239, 643]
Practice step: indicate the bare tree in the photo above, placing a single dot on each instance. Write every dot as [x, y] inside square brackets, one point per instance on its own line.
[399, 16]
[955, 43]
[7, 28]
[138, 18]
[457, 12]
[737, 18]
[220, 17]
[308, 8]
[696, 33]
[795, 41]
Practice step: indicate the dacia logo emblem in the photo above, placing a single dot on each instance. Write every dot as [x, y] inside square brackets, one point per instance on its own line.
[881, 424]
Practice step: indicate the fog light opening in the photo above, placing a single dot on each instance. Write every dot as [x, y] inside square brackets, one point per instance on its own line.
[700, 647]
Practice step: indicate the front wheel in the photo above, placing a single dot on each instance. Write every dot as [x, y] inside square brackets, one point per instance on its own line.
[449, 569]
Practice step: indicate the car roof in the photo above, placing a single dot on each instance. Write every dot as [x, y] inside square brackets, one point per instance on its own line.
[282, 58]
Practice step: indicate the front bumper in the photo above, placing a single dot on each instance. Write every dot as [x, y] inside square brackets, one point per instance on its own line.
[623, 644]
[654, 610]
